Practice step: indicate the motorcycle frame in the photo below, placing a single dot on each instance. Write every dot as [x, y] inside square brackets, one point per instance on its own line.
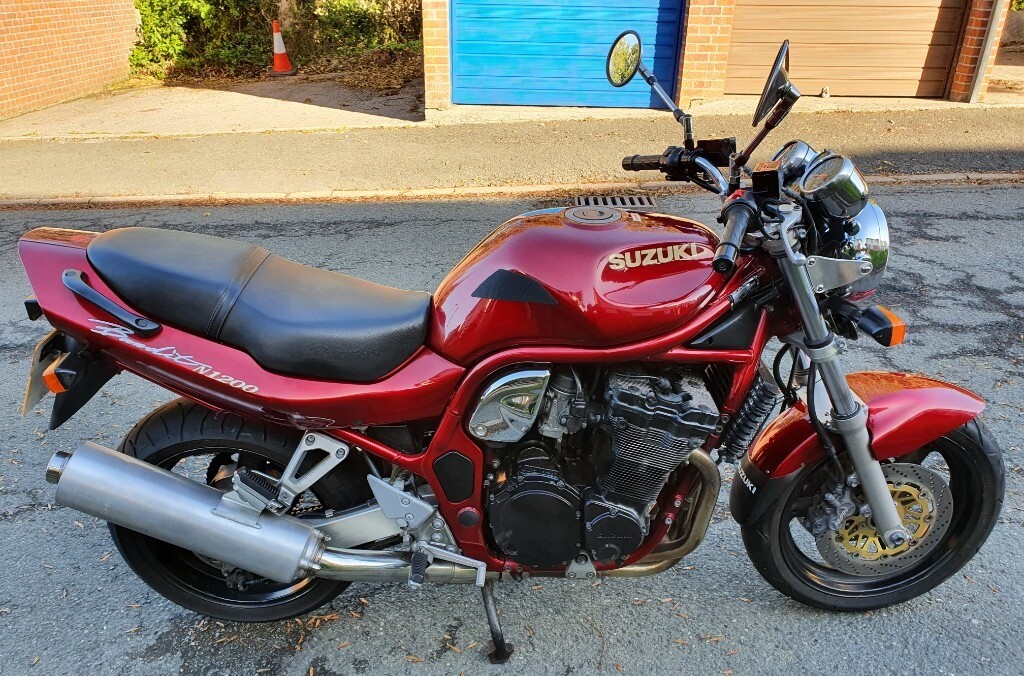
[426, 387]
[430, 387]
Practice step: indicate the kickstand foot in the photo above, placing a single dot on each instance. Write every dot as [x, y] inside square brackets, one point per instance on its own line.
[498, 650]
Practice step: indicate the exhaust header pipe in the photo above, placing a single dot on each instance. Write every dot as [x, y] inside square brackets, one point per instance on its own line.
[169, 507]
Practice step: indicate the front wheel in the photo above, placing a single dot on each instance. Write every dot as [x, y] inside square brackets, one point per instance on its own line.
[949, 495]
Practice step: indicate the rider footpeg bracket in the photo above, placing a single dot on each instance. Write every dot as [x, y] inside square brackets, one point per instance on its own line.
[291, 484]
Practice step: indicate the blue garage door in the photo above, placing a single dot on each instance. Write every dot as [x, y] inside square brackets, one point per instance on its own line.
[552, 52]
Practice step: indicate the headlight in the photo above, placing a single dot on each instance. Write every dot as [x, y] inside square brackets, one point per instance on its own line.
[869, 241]
[834, 187]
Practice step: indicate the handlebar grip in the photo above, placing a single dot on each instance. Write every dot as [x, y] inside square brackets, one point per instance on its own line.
[642, 163]
[737, 220]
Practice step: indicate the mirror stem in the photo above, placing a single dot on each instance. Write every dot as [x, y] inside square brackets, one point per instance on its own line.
[681, 117]
[788, 100]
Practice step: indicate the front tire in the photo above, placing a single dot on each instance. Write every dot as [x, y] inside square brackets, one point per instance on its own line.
[187, 438]
[972, 463]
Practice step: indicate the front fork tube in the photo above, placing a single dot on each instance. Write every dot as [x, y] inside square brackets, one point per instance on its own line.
[849, 416]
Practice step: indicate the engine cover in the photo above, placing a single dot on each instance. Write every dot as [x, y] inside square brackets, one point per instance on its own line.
[612, 532]
[534, 514]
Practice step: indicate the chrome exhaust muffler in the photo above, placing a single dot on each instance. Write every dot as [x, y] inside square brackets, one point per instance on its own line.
[169, 507]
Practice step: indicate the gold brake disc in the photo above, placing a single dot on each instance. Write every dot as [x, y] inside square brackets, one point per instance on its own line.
[925, 505]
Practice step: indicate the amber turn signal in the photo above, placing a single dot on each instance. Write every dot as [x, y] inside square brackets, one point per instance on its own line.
[883, 325]
[52, 380]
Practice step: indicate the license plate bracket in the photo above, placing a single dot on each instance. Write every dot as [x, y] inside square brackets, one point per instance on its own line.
[47, 351]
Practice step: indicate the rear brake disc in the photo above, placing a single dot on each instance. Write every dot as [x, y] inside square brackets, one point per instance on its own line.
[924, 503]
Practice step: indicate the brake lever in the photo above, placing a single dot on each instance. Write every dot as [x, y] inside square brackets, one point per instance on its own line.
[791, 216]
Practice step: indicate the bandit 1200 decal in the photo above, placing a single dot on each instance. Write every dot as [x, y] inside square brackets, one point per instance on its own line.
[126, 336]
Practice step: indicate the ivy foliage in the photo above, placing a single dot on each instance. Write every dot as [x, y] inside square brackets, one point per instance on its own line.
[233, 37]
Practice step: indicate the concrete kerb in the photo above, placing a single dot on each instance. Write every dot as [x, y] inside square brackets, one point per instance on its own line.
[468, 192]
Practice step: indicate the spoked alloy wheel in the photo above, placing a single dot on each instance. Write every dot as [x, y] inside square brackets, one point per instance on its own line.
[189, 440]
[948, 494]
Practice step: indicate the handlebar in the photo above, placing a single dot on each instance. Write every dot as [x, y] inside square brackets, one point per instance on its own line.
[681, 164]
[642, 163]
[738, 216]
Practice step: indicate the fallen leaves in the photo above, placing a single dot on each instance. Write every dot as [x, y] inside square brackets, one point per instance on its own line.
[414, 659]
[343, 645]
[708, 638]
[226, 639]
[133, 630]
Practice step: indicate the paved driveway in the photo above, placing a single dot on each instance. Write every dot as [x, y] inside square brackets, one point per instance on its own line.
[69, 605]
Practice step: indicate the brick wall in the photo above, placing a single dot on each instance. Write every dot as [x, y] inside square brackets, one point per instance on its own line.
[55, 50]
[707, 33]
[437, 63]
[966, 68]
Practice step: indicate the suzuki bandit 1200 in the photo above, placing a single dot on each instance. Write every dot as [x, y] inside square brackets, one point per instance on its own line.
[552, 410]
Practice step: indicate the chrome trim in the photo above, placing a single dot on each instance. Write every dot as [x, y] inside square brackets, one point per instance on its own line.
[715, 173]
[55, 468]
[795, 157]
[844, 192]
[869, 243]
[357, 565]
[494, 419]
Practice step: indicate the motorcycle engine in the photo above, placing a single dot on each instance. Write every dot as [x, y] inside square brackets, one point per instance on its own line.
[590, 479]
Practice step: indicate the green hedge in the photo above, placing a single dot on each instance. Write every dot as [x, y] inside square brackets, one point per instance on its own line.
[232, 37]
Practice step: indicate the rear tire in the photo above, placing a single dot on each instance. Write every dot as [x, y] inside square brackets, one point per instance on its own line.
[181, 430]
[977, 483]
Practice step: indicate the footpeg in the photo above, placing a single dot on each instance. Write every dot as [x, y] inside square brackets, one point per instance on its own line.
[258, 483]
[418, 574]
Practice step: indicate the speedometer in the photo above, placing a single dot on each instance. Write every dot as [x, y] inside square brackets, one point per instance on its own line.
[834, 187]
[794, 158]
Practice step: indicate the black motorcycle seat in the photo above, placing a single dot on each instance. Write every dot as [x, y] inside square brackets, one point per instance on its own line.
[289, 317]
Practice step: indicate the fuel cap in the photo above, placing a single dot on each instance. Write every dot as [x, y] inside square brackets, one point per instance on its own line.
[593, 215]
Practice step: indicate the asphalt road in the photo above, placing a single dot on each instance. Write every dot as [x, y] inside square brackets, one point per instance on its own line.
[69, 605]
[475, 155]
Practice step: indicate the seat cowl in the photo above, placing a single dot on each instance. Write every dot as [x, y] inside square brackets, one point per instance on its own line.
[288, 317]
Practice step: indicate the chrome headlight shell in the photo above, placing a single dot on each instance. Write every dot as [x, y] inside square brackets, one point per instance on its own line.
[869, 242]
[834, 187]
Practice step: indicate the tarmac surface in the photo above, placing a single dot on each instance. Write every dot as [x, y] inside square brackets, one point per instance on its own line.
[69, 605]
[480, 155]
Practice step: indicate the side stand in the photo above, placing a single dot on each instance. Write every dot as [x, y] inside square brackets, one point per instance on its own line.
[499, 651]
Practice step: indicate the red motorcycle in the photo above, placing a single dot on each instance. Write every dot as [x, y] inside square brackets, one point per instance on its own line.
[552, 410]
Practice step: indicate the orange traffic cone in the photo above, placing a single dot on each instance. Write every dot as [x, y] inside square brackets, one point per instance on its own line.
[282, 64]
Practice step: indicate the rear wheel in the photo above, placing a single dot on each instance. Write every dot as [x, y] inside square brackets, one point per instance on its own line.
[191, 440]
[949, 495]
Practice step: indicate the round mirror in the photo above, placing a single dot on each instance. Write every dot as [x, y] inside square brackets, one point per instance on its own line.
[624, 59]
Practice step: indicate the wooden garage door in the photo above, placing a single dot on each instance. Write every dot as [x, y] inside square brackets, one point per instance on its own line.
[859, 48]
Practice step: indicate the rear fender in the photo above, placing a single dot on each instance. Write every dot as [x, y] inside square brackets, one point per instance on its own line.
[905, 413]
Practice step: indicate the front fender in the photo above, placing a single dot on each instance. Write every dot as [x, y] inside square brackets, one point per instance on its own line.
[905, 412]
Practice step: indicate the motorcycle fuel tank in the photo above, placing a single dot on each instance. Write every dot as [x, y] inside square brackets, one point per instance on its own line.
[582, 276]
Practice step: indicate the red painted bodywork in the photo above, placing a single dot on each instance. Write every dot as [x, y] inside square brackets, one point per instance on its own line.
[419, 389]
[595, 304]
[601, 316]
[905, 412]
